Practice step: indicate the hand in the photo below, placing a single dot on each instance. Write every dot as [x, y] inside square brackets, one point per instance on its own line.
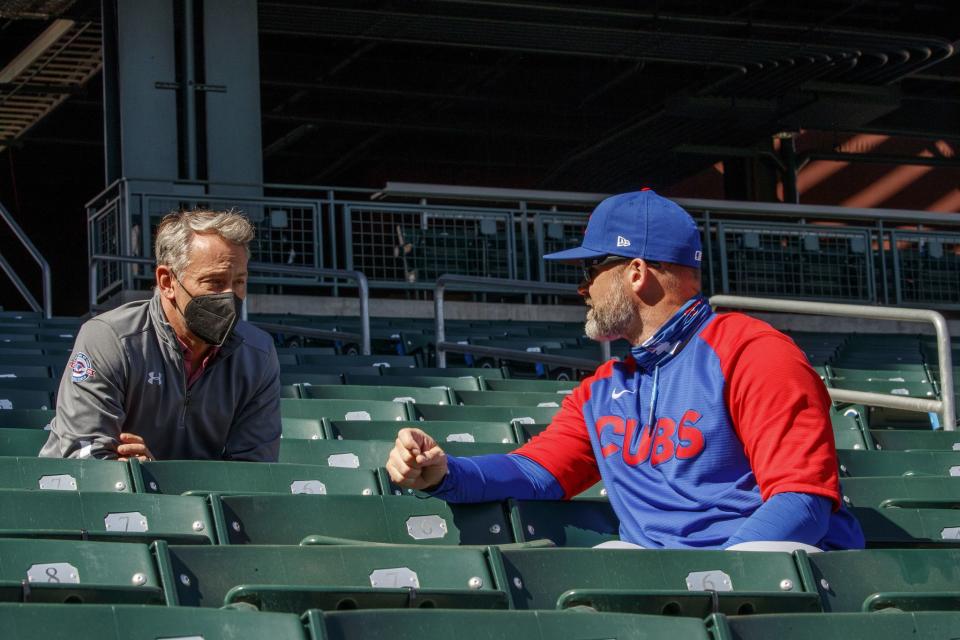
[132, 446]
[416, 461]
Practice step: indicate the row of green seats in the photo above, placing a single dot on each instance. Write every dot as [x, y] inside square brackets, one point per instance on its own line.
[858, 427]
[294, 579]
[273, 519]
[424, 395]
[346, 410]
[893, 512]
[131, 622]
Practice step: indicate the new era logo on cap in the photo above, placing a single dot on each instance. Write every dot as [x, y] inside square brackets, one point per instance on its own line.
[622, 242]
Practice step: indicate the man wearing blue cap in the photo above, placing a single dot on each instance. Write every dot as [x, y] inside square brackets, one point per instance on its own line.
[714, 432]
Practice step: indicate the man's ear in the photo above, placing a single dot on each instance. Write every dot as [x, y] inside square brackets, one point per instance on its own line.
[164, 275]
[636, 274]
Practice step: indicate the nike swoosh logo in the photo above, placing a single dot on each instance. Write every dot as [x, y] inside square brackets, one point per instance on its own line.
[616, 394]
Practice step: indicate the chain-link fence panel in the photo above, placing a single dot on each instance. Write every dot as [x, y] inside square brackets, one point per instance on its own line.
[407, 244]
[796, 261]
[927, 268]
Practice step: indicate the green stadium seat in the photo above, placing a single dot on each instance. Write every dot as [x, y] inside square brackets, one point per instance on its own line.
[419, 395]
[293, 377]
[336, 363]
[22, 442]
[442, 431]
[36, 383]
[898, 463]
[344, 409]
[296, 578]
[847, 430]
[16, 357]
[448, 372]
[523, 415]
[302, 428]
[837, 626]
[216, 476]
[904, 439]
[15, 371]
[289, 391]
[892, 492]
[577, 523]
[386, 519]
[674, 582]
[367, 454]
[916, 374]
[921, 511]
[876, 579]
[135, 622]
[77, 572]
[105, 516]
[8, 338]
[897, 388]
[25, 399]
[526, 431]
[57, 474]
[497, 625]
[509, 399]
[466, 383]
[560, 387]
[908, 527]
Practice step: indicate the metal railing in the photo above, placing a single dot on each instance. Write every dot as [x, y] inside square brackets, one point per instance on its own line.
[363, 289]
[47, 307]
[750, 248]
[945, 407]
[498, 285]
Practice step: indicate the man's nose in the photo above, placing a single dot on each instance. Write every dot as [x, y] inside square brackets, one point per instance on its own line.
[583, 288]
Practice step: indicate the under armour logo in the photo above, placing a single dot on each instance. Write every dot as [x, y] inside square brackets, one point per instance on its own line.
[154, 378]
[622, 242]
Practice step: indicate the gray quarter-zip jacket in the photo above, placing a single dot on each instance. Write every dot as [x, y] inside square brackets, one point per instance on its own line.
[126, 375]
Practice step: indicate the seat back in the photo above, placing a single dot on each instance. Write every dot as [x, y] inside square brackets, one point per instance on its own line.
[577, 523]
[387, 519]
[442, 431]
[215, 476]
[485, 625]
[72, 571]
[130, 622]
[105, 516]
[661, 581]
[874, 579]
[295, 578]
[343, 409]
[58, 474]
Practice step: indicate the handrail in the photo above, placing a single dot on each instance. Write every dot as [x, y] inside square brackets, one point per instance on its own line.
[362, 285]
[772, 209]
[38, 258]
[491, 284]
[946, 406]
[7, 268]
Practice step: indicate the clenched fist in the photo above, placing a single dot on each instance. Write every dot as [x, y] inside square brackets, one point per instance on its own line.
[416, 460]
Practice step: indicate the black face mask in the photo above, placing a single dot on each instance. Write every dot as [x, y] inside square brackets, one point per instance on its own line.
[211, 317]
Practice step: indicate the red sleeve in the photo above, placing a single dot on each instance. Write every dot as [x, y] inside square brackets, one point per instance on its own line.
[564, 447]
[780, 410]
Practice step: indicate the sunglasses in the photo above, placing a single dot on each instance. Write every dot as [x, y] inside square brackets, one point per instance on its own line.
[591, 268]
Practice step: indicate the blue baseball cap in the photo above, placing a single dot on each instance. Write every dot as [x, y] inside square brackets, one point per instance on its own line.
[640, 224]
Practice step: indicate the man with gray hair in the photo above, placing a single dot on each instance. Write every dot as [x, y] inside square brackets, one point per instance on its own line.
[176, 376]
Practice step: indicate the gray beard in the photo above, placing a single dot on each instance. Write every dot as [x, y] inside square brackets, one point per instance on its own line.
[610, 318]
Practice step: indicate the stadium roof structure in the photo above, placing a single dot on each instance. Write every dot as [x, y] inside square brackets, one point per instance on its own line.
[576, 96]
